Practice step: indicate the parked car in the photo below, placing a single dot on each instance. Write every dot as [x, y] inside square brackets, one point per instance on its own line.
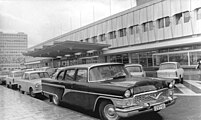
[3, 75]
[109, 89]
[31, 82]
[13, 77]
[135, 70]
[49, 70]
[171, 70]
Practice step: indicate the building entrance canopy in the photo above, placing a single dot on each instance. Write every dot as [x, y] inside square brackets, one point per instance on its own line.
[64, 48]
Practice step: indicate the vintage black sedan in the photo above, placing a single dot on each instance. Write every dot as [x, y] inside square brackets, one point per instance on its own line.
[108, 88]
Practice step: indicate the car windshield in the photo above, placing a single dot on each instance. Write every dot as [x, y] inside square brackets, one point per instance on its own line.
[39, 75]
[18, 74]
[134, 69]
[107, 72]
[167, 66]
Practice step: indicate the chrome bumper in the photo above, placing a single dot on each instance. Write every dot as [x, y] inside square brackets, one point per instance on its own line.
[127, 112]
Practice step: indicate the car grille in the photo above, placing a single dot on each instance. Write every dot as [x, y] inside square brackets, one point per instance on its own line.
[154, 96]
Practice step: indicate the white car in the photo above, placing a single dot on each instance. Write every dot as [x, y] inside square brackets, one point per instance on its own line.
[171, 70]
[12, 78]
[135, 70]
[31, 82]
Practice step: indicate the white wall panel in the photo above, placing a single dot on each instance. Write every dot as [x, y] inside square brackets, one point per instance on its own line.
[187, 29]
[158, 11]
[104, 25]
[114, 24]
[119, 22]
[125, 20]
[198, 27]
[109, 26]
[100, 29]
[185, 5]
[131, 40]
[167, 33]
[175, 7]
[95, 30]
[195, 4]
[114, 42]
[150, 13]
[144, 37]
[177, 30]
[166, 8]
[136, 17]
[151, 35]
[159, 34]
[130, 19]
[125, 41]
[143, 15]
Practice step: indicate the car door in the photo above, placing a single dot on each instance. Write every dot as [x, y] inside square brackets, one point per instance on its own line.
[68, 81]
[81, 95]
[23, 82]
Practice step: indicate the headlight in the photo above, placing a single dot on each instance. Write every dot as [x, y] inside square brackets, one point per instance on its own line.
[127, 93]
[37, 85]
[171, 84]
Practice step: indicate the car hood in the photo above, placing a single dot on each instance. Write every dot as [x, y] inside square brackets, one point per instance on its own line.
[36, 81]
[138, 84]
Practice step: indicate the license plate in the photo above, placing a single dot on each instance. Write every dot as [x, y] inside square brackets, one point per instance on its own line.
[159, 107]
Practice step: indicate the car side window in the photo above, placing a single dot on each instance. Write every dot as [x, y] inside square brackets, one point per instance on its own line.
[61, 75]
[81, 75]
[69, 75]
[26, 77]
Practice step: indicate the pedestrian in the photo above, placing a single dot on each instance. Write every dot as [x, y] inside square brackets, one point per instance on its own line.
[198, 64]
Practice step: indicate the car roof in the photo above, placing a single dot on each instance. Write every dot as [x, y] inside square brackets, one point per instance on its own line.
[128, 65]
[90, 65]
[169, 62]
[29, 72]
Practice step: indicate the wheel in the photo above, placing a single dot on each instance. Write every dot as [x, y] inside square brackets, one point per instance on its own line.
[31, 92]
[20, 90]
[107, 111]
[55, 100]
[7, 85]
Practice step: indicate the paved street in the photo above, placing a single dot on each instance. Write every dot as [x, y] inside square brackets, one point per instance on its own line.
[17, 106]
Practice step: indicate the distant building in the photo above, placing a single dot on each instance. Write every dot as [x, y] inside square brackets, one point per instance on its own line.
[11, 48]
[153, 32]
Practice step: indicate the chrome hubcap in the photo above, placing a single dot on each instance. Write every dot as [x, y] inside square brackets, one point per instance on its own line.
[109, 112]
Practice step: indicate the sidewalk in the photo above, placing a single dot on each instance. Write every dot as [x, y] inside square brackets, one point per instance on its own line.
[17, 106]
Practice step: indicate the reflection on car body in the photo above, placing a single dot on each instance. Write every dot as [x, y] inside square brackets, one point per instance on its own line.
[171, 70]
[31, 82]
[109, 89]
[136, 70]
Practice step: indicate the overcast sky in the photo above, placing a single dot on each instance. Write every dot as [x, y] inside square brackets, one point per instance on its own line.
[45, 19]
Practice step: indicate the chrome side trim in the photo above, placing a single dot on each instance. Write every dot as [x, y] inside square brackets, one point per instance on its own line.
[61, 86]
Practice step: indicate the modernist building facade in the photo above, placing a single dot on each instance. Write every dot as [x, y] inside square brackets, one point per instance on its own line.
[11, 48]
[153, 32]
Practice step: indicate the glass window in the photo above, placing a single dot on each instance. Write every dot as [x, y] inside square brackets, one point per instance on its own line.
[107, 72]
[151, 25]
[102, 37]
[158, 59]
[194, 56]
[137, 29]
[61, 75]
[131, 30]
[178, 18]
[167, 66]
[186, 17]
[81, 75]
[161, 23]
[134, 69]
[69, 74]
[198, 13]
[94, 39]
[134, 58]
[182, 58]
[122, 32]
[167, 21]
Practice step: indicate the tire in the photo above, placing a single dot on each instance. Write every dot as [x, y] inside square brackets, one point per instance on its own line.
[20, 90]
[55, 100]
[31, 92]
[107, 111]
[182, 80]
